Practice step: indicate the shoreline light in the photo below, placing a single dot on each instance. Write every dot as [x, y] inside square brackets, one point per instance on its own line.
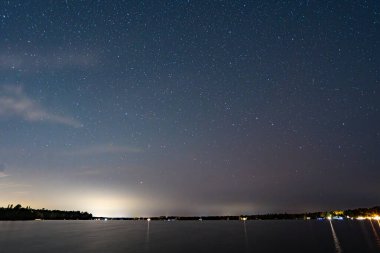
[376, 217]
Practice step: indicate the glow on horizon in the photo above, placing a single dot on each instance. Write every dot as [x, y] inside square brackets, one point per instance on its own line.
[98, 204]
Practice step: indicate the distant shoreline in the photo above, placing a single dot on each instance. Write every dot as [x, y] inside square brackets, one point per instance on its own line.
[17, 212]
[359, 213]
[26, 213]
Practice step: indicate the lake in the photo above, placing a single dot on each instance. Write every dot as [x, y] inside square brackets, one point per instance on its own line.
[190, 236]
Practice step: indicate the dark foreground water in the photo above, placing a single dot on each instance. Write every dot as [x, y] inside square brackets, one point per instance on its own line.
[189, 236]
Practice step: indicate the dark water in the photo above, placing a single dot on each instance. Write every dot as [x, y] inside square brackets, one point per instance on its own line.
[190, 236]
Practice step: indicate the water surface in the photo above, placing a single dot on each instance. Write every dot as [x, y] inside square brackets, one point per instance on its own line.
[190, 236]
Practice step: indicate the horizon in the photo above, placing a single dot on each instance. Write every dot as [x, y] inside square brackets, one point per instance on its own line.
[201, 215]
[169, 107]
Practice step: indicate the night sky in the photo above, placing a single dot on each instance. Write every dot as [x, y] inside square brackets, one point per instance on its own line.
[138, 108]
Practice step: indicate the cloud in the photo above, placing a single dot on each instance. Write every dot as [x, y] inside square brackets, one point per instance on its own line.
[15, 103]
[11, 185]
[33, 62]
[103, 149]
[2, 170]
[2, 167]
[89, 172]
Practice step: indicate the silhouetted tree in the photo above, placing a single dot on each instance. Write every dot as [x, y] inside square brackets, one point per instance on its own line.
[20, 213]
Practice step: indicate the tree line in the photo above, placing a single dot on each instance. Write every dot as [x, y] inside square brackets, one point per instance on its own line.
[18, 212]
[352, 213]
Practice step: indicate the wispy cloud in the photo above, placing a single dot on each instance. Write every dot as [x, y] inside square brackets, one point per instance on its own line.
[15, 103]
[2, 169]
[103, 149]
[2, 174]
[46, 61]
[89, 172]
[11, 185]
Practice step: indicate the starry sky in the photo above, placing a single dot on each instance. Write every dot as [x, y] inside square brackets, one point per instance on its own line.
[139, 108]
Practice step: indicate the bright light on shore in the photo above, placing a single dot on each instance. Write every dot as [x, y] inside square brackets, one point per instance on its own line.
[376, 217]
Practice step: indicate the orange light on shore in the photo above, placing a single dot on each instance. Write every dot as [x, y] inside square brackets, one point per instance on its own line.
[376, 217]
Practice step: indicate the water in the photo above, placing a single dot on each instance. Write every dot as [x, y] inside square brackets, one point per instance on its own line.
[190, 236]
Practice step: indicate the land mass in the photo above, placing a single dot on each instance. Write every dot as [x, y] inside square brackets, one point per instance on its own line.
[18, 212]
[359, 213]
[26, 213]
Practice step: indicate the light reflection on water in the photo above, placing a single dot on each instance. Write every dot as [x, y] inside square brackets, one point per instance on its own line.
[189, 236]
[147, 236]
[147, 232]
[338, 249]
[246, 244]
[377, 238]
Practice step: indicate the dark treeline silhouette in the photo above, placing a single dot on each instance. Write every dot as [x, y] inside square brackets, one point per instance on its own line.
[271, 216]
[363, 211]
[26, 213]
